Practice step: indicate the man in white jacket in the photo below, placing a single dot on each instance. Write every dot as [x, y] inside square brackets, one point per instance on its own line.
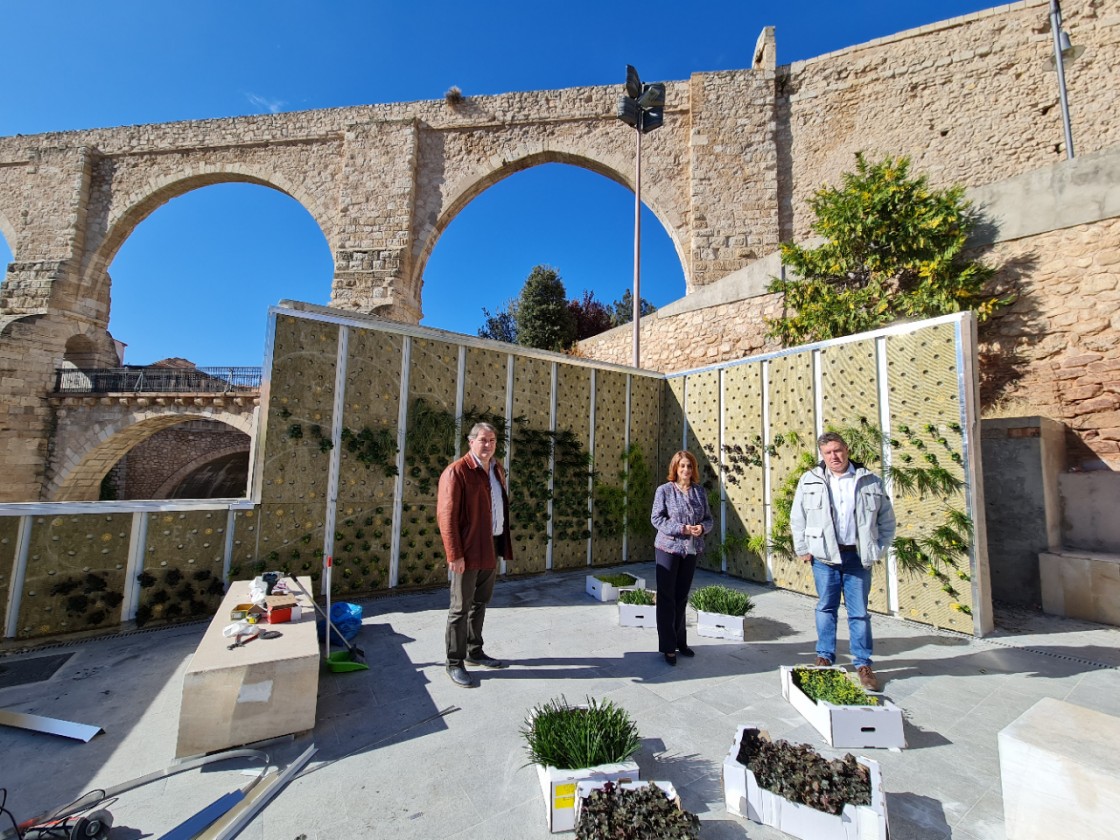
[842, 522]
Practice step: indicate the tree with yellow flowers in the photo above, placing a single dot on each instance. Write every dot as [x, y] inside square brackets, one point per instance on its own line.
[894, 249]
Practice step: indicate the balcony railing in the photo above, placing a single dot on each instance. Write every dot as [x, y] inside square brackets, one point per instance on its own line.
[148, 380]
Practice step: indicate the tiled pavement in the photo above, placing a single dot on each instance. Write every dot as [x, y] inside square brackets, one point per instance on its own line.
[404, 753]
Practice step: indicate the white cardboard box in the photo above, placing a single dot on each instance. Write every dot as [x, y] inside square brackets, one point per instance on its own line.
[559, 789]
[720, 626]
[743, 796]
[583, 790]
[632, 615]
[603, 591]
[847, 727]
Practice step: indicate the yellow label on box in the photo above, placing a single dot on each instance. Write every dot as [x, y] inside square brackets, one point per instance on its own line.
[564, 796]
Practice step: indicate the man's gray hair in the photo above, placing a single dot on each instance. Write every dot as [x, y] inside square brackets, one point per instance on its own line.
[481, 427]
[830, 437]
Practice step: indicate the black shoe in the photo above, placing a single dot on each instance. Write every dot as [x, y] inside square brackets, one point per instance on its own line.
[459, 676]
[671, 658]
[485, 661]
[685, 650]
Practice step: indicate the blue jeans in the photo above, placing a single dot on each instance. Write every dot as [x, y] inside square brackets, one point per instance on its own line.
[851, 578]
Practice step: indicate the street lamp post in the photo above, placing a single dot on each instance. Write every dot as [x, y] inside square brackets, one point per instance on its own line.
[643, 108]
[1062, 50]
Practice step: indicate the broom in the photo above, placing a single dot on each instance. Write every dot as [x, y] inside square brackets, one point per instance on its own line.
[351, 659]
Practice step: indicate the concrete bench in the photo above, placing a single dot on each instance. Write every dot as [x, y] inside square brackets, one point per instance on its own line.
[1081, 584]
[1059, 773]
[263, 689]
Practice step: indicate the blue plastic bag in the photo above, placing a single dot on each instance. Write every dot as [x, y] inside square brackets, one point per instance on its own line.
[347, 621]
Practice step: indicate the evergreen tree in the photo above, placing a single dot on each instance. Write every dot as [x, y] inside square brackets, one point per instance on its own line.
[543, 318]
[894, 249]
[623, 309]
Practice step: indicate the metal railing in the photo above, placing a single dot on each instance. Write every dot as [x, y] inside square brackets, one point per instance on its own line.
[145, 380]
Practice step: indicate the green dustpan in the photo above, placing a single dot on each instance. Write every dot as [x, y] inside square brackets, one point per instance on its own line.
[340, 661]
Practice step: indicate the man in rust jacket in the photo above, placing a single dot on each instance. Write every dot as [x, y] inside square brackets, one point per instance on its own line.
[473, 512]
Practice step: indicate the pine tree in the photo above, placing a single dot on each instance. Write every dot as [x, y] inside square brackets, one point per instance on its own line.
[543, 318]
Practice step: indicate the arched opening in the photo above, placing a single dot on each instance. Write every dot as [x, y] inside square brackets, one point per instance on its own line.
[562, 215]
[197, 459]
[194, 279]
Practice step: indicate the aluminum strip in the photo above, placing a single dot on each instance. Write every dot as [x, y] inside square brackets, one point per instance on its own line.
[51, 726]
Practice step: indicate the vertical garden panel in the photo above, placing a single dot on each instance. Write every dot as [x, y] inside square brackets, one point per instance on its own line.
[741, 464]
[702, 408]
[925, 421]
[75, 574]
[609, 506]
[572, 467]
[243, 557]
[297, 445]
[850, 399]
[671, 433]
[642, 463]
[790, 398]
[433, 383]
[484, 394]
[367, 469]
[530, 464]
[184, 556]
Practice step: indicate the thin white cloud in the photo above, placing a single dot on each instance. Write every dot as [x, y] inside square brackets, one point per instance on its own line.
[273, 106]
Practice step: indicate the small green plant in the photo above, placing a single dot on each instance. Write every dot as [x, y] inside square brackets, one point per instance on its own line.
[831, 686]
[801, 775]
[721, 599]
[613, 812]
[558, 734]
[621, 579]
[636, 597]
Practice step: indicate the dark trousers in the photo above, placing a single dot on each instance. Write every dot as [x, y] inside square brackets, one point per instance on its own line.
[470, 593]
[674, 581]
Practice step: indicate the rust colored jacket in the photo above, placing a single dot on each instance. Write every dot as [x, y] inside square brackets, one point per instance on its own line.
[463, 512]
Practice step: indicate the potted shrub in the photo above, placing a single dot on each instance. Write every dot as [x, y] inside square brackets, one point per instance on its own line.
[571, 743]
[796, 790]
[839, 708]
[637, 608]
[632, 811]
[604, 586]
[721, 611]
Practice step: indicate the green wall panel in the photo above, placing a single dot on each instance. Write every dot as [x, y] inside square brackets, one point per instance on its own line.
[571, 481]
[740, 454]
[184, 558]
[790, 399]
[925, 420]
[702, 408]
[75, 574]
[610, 446]
[532, 396]
[646, 397]
[300, 410]
[485, 389]
[288, 536]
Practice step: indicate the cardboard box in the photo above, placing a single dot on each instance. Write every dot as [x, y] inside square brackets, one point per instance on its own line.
[633, 615]
[559, 789]
[847, 727]
[743, 796]
[603, 591]
[583, 790]
[720, 626]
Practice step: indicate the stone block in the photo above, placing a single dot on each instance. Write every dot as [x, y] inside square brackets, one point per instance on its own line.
[1059, 772]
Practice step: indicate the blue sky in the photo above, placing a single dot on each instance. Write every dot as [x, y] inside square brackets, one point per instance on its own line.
[196, 278]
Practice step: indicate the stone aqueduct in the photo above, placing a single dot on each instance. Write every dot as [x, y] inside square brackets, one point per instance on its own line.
[970, 100]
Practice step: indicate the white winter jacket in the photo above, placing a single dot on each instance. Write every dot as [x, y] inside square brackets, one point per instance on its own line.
[814, 529]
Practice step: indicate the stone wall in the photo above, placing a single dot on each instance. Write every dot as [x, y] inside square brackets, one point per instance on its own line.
[144, 473]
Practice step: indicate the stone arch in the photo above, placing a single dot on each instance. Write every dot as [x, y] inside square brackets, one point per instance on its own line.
[177, 478]
[616, 168]
[139, 205]
[103, 444]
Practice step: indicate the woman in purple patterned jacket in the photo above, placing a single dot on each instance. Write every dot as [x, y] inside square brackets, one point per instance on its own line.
[682, 517]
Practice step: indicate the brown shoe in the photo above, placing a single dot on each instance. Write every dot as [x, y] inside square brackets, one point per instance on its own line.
[867, 678]
[823, 663]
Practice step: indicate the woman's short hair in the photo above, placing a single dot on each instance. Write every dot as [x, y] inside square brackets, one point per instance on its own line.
[675, 462]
